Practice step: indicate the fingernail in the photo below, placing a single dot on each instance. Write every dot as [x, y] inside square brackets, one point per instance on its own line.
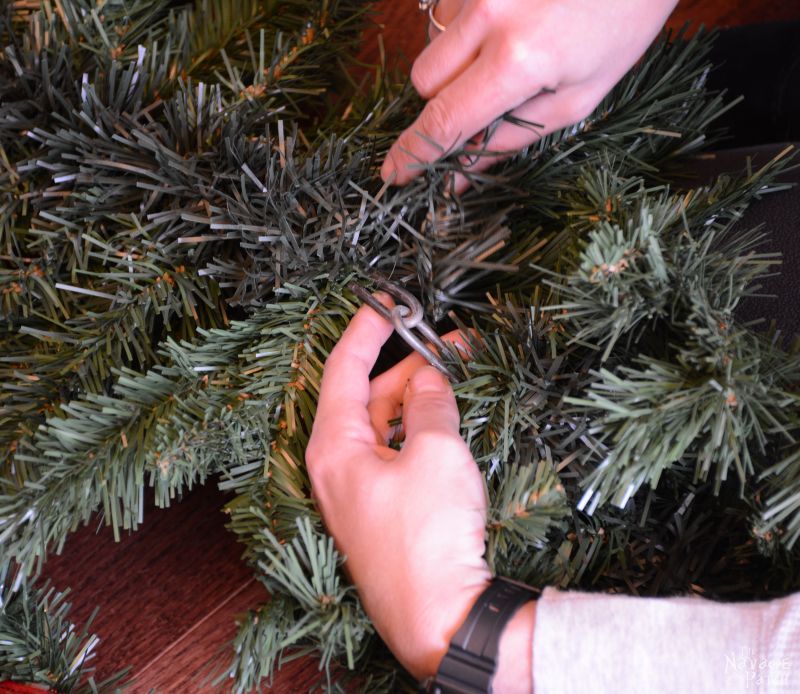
[388, 171]
[384, 298]
[427, 380]
[460, 184]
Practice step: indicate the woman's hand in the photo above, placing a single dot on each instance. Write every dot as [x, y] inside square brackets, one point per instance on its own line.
[547, 62]
[411, 523]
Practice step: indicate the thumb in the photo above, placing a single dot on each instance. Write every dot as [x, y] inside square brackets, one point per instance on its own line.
[429, 405]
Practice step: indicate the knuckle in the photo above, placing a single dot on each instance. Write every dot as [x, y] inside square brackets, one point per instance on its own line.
[323, 476]
[485, 10]
[522, 62]
[420, 78]
[439, 443]
[336, 358]
[321, 460]
[314, 456]
[579, 108]
[437, 123]
[516, 53]
[432, 407]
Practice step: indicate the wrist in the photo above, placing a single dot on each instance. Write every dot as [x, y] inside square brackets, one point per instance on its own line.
[492, 649]
[514, 673]
[433, 631]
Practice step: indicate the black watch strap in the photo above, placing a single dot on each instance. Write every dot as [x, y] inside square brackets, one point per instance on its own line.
[469, 664]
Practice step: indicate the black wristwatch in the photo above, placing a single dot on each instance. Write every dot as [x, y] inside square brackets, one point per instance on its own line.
[470, 663]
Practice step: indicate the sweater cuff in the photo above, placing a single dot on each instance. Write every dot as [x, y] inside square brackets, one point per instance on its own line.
[614, 643]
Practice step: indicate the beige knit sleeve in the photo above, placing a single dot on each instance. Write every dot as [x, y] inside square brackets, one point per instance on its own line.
[610, 644]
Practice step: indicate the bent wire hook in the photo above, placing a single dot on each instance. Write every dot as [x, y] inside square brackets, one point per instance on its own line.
[406, 317]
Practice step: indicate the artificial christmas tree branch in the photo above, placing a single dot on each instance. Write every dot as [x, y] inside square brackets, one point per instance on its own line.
[39, 646]
[186, 191]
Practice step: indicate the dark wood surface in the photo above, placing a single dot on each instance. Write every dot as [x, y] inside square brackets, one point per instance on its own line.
[404, 27]
[170, 588]
[169, 593]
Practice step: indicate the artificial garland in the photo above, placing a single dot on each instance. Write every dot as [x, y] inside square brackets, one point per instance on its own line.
[188, 188]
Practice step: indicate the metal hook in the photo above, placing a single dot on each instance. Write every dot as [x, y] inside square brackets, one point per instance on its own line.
[406, 317]
[429, 6]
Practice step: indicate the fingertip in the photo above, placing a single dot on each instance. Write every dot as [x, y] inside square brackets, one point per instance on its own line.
[460, 184]
[427, 380]
[429, 405]
[460, 341]
[368, 324]
[405, 159]
[384, 298]
[389, 170]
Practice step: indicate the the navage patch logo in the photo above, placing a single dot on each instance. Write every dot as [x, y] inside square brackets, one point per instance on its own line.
[747, 668]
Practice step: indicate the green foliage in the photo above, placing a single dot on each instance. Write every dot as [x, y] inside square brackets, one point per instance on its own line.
[528, 504]
[261, 641]
[306, 569]
[185, 191]
[38, 645]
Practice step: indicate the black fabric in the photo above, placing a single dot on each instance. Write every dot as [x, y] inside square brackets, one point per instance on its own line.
[779, 214]
[761, 62]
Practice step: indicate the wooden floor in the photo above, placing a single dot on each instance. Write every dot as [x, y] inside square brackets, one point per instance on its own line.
[169, 594]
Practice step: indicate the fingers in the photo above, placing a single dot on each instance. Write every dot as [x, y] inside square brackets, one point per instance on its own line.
[342, 415]
[445, 13]
[429, 406]
[536, 117]
[451, 53]
[386, 395]
[453, 115]
[544, 114]
[388, 389]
